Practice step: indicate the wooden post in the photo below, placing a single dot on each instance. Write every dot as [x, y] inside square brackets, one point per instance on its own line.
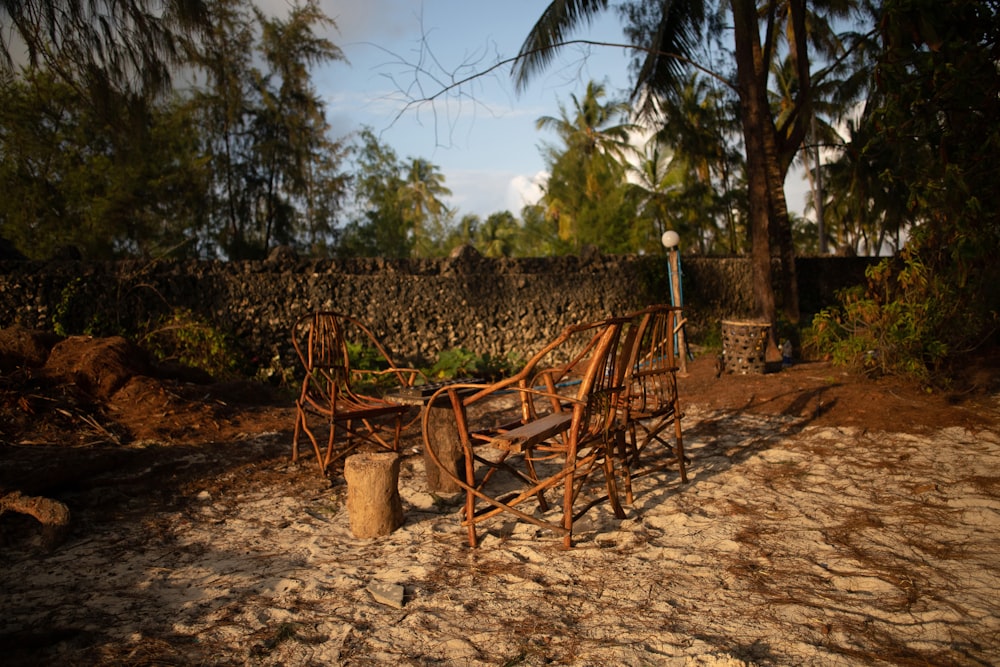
[676, 298]
[373, 503]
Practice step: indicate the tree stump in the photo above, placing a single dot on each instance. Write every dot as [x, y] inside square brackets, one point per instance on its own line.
[373, 503]
[442, 435]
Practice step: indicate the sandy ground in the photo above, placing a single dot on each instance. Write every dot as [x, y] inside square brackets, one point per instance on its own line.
[792, 544]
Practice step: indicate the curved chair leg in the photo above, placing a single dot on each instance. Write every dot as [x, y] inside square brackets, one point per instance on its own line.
[612, 484]
[679, 445]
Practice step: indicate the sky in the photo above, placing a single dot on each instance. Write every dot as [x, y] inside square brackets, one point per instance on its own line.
[482, 135]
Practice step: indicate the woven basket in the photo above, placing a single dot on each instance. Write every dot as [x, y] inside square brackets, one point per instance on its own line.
[744, 343]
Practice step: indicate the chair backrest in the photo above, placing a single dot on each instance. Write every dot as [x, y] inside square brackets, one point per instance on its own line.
[601, 385]
[323, 342]
[592, 349]
[649, 362]
[319, 341]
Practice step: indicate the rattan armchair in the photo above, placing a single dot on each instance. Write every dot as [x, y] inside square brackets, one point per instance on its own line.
[649, 403]
[331, 396]
[550, 426]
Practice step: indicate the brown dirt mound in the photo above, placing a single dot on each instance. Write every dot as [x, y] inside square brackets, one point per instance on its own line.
[83, 391]
[24, 347]
[827, 395]
[97, 366]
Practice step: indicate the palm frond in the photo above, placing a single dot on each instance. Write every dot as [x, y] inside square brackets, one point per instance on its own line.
[558, 20]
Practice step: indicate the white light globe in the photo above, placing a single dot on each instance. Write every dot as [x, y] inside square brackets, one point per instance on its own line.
[671, 238]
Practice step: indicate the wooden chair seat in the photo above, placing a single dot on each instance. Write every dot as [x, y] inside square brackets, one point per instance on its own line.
[531, 434]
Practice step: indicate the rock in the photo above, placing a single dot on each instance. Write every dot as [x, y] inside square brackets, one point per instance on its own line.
[390, 594]
[282, 254]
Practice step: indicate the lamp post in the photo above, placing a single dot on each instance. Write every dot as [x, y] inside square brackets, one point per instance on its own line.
[671, 241]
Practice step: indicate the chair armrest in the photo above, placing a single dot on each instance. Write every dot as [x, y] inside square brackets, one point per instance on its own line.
[532, 433]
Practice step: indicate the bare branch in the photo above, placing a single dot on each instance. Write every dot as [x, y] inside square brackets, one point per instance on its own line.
[453, 83]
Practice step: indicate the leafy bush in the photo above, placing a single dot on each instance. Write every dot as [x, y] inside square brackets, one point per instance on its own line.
[459, 362]
[908, 320]
[275, 372]
[933, 140]
[191, 340]
[75, 315]
[364, 357]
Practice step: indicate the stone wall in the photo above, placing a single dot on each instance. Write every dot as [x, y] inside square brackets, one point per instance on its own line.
[417, 307]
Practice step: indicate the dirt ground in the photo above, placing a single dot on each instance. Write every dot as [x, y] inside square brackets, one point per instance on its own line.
[94, 424]
[96, 395]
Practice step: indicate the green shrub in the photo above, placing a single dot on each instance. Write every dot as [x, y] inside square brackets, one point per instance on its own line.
[191, 340]
[70, 316]
[459, 362]
[908, 320]
[365, 357]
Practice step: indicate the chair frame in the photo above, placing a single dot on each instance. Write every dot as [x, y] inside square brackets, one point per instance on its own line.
[650, 401]
[554, 425]
[327, 388]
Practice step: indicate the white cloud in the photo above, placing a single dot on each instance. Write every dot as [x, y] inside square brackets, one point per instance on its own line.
[523, 191]
[485, 192]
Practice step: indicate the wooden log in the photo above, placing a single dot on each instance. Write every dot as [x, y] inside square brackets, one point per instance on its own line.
[443, 436]
[373, 504]
[52, 514]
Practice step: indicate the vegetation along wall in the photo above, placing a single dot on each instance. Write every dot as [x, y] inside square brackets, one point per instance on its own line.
[419, 308]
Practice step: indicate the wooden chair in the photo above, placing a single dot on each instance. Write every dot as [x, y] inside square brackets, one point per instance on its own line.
[324, 342]
[649, 402]
[557, 428]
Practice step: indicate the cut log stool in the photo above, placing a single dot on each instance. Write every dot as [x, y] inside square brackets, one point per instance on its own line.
[443, 436]
[373, 503]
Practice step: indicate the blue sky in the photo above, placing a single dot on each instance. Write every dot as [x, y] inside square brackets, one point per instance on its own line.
[483, 137]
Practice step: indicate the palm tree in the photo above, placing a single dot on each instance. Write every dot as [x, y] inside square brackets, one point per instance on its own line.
[497, 235]
[666, 37]
[589, 128]
[420, 197]
[587, 170]
[652, 184]
[704, 162]
[836, 90]
[867, 212]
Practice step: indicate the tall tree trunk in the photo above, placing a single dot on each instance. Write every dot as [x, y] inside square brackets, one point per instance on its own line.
[756, 119]
[785, 145]
[776, 168]
[816, 185]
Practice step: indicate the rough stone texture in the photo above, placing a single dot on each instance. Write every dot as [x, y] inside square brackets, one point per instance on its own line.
[390, 594]
[417, 307]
